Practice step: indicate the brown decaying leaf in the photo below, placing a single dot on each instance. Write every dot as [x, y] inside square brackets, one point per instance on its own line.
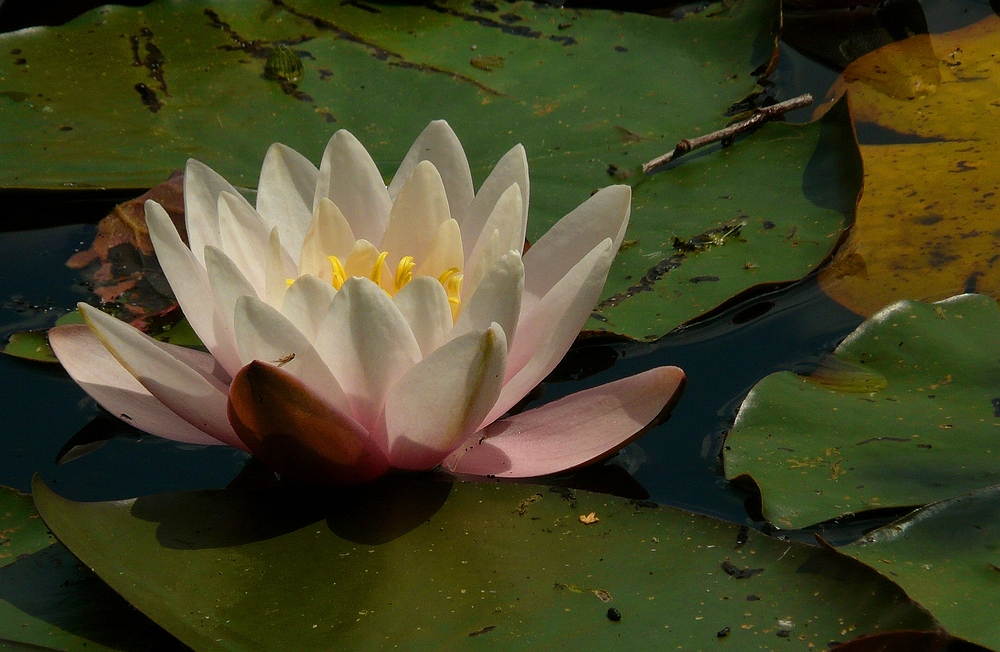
[121, 265]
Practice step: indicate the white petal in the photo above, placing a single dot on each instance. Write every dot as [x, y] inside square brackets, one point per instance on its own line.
[605, 215]
[442, 400]
[544, 335]
[189, 282]
[228, 285]
[202, 186]
[265, 334]
[306, 303]
[285, 194]
[277, 269]
[497, 299]
[505, 221]
[439, 145]
[444, 253]
[491, 253]
[349, 177]
[511, 169]
[424, 304]
[368, 345]
[115, 389]
[199, 400]
[329, 235]
[244, 237]
[417, 213]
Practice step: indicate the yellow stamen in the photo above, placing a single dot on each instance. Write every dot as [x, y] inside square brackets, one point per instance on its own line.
[452, 282]
[376, 276]
[339, 275]
[288, 282]
[404, 272]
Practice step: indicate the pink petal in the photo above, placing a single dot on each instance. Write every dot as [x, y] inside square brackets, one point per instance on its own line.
[441, 401]
[570, 432]
[197, 398]
[545, 334]
[298, 433]
[605, 215]
[115, 389]
[439, 145]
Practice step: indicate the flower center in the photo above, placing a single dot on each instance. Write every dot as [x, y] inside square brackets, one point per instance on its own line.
[450, 279]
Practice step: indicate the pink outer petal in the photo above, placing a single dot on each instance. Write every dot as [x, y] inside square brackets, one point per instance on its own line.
[196, 397]
[570, 432]
[115, 389]
[544, 336]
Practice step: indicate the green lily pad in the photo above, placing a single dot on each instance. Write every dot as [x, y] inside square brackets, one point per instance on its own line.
[906, 413]
[49, 601]
[946, 556]
[30, 345]
[767, 210]
[423, 564]
[34, 345]
[581, 89]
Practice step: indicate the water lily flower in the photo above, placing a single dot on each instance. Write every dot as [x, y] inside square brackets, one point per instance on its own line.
[354, 328]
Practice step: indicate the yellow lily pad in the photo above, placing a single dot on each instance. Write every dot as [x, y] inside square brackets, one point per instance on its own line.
[926, 224]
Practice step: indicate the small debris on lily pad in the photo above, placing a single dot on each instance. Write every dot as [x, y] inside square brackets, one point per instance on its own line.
[589, 519]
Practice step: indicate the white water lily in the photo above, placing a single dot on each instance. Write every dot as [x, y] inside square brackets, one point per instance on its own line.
[354, 328]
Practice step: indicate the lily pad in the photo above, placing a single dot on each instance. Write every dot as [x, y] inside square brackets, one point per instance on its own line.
[34, 345]
[947, 557]
[423, 564]
[30, 345]
[767, 210]
[581, 89]
[906, 412]
[926, 225]
[49, 601]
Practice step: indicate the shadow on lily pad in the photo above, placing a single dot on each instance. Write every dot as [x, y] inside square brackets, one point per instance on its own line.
[375, 513]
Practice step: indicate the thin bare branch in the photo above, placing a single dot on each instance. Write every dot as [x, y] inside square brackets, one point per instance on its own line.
[727, 134]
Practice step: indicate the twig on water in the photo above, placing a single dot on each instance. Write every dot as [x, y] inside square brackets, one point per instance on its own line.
[727, 134]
